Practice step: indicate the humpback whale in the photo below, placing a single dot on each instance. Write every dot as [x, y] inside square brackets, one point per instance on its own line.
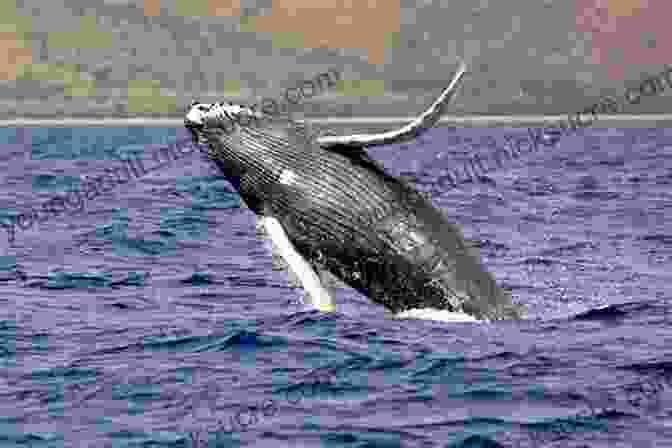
[329, 207]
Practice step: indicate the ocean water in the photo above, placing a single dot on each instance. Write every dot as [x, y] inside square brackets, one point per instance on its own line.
[152, 315]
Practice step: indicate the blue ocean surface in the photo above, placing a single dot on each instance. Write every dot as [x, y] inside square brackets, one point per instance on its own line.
[152, 315]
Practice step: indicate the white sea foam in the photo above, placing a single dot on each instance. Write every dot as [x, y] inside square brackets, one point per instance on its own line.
[435, 314]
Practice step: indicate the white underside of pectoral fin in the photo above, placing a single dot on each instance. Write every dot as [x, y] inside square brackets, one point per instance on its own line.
[409, 132]
[317, 296]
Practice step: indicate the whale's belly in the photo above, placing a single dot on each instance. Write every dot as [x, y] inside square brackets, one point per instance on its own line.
[381, 237]
[371, 230]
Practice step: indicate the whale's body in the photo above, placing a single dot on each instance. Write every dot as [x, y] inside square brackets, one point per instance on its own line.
[342, 213]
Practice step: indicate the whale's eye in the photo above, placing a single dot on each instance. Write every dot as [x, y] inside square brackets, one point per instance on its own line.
[203, 108]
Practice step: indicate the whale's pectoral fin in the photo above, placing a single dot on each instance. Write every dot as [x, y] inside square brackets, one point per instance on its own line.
[409, 132]
[318, 296]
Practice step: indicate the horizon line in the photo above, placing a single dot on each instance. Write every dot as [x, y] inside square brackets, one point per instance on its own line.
[480, 120]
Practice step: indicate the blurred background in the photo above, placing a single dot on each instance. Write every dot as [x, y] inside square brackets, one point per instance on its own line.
[150, 58]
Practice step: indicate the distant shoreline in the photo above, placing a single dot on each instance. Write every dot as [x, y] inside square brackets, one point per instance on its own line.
[605, 121]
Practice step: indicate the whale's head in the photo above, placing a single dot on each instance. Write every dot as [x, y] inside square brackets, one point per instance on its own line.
[204, 118]
[195, 120]
[201, 118]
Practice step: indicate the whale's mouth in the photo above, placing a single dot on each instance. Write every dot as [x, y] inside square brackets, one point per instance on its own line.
[195, 129]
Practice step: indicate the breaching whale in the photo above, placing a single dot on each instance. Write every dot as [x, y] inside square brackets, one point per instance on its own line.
[329, 207]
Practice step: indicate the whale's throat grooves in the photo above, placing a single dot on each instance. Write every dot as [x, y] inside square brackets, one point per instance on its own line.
[344, 213]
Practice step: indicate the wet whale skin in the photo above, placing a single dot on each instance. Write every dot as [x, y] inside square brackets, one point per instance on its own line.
[345, 214]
